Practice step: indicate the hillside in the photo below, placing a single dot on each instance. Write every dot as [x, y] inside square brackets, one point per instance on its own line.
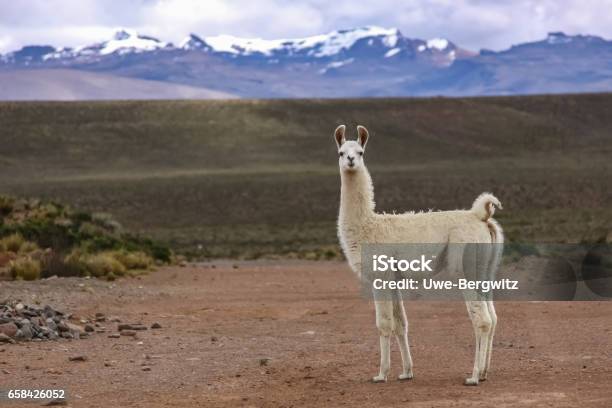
[245, 178]
[71, 85]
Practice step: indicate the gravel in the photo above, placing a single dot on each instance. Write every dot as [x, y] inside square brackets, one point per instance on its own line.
[21, 322]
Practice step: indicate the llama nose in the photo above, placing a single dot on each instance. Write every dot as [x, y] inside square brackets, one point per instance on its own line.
[350, 158]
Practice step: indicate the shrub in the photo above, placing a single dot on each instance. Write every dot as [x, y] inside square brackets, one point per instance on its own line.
[133, 260]
[97, 265]
[28, 247]
[12, 242]
[74, 242]
[25, 268]
[6, 205]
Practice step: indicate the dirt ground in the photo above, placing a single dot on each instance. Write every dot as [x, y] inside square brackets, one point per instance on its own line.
[297, 334]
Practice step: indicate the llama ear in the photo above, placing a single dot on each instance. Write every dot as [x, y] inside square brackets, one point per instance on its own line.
[339, 135]
[362, 135]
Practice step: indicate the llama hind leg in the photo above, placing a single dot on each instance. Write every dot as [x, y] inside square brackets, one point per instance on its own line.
[482, 323]
[401, 334]
[384, 323]
[485, 370]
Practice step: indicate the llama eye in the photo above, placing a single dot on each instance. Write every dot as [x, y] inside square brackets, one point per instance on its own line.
[341, 154]
[361, 153]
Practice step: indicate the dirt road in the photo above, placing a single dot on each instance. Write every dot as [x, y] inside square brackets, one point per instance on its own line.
[299, 335]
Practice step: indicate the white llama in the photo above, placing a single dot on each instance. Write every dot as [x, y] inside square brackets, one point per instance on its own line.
[359, 224]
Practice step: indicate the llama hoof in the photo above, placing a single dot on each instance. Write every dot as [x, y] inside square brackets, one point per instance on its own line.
[379, 378]
[471, 381]
[405, 376]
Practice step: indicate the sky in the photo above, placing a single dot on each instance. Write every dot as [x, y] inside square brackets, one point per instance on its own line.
[472, 24]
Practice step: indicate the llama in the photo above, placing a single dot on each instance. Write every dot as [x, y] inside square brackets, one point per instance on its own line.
[358, 224]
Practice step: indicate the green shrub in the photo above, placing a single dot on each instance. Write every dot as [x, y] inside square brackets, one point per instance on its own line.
[74, 242]
[25, 268]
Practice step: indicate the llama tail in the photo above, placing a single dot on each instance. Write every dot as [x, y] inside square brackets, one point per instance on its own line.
[484, 206]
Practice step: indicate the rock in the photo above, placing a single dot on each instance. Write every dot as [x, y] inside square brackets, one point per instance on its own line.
[25, 333]
[56, 402]
[6, 339]
[62, 327]
[127, 326]
[264, 361]
[51, 324]
[130, 333]
[89, 328]
[48, 312]
[100, 317]
[74, 327]
[114, 336]
[146, 368]
[183, 264]
[79, 357]
[156, 326]
[9, 329]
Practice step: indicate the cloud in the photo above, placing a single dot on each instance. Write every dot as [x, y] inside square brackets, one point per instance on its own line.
[473, 24]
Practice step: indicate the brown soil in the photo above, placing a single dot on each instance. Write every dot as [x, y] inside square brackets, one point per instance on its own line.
[267, 334]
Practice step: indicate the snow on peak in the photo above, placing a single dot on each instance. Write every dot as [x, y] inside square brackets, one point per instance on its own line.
[319, 45]
[128, 40]
[193, 42]
[437, 43]
[392, 52]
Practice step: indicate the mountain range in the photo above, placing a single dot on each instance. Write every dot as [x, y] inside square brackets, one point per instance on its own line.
[362, 62]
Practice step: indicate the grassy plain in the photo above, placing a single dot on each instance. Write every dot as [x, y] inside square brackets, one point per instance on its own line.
[257, 178]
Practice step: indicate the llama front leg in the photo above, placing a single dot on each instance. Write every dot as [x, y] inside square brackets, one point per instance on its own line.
[401, 334]
[384, 323]
[482, 323]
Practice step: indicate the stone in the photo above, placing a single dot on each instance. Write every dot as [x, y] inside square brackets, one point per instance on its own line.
[156, 326]
[79, 357]
[130, 333]
[51, 324]
[127, 326]
[114, 336]
[9, 329]
[6, 339]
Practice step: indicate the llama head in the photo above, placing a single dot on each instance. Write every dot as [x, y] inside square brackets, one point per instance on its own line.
[350, 153]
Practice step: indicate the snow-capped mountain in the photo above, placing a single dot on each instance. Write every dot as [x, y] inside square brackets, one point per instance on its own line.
[365, 61]
[123, 42]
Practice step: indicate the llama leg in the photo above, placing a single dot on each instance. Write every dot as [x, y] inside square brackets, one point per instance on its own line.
[401, 334]
[485, 371]
[384, 323]
[481, 322]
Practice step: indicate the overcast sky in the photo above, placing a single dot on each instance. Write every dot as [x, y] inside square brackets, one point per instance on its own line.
[473, 24]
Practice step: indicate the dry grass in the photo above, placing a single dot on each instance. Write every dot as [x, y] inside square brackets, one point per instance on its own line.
[25, 268]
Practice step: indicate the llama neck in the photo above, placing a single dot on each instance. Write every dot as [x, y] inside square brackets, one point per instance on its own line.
[356, 196]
